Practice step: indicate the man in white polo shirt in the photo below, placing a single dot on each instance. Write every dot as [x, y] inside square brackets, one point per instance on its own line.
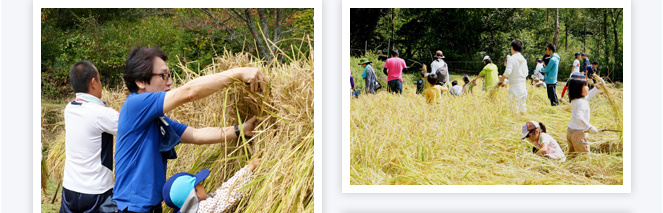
[89, 127]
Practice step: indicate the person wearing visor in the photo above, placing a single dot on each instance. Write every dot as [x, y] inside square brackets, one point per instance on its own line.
[185, 193]
[546, 145]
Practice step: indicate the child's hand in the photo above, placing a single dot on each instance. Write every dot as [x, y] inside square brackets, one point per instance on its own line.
[256, 161]
[248, 126]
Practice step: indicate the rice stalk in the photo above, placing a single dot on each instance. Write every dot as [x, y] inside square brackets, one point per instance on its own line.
[284, 180]
[473, 140]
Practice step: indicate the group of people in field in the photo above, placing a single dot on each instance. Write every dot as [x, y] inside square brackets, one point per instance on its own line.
[146, 140]
[515, 74]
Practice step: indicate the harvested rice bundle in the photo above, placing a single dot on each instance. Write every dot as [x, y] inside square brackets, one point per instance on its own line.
[284, 181]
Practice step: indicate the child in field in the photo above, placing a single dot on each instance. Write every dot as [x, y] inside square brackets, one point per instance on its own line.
[537, 77]
[434, 92]
[468, 86]
[579, 94]
[546, 145]
[456, 89]
[185, 194]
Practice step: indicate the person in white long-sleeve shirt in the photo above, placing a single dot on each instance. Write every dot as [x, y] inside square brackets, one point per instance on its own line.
[516, 72]
[579, 126]
[443, 79]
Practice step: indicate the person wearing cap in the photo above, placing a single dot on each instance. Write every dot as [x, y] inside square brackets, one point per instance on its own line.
[146, 137]
[550, 72]
[394, 68]
[579, 126]
[368, 75]
[516, 71]
[585, 61]
[547, 146]
[589, 73]
[87, 181]
[489, 72]
[442, 74]
[184, 193]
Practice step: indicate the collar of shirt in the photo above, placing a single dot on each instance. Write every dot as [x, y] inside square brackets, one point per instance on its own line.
[89, 98]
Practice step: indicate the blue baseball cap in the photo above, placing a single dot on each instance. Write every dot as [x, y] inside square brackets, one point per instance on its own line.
[577, 74]
[583, 54]
[178, 187]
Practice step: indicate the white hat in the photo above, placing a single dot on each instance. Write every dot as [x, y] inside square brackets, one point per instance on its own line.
[529, 126]
[486, 58]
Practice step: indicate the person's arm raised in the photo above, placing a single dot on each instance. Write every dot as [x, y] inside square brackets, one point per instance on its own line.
[206, 85]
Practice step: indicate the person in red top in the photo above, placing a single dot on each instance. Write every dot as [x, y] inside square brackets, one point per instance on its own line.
[396, 67]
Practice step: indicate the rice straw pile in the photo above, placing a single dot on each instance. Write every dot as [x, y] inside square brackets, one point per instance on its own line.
[284, 180]
[475, 140]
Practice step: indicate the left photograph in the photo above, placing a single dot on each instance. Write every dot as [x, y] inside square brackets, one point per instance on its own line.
[177, 110]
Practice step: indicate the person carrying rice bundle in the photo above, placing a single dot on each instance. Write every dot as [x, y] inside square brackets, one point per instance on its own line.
[579, 126]
[489, 72]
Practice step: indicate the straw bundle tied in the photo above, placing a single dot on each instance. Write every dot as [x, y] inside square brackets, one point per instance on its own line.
[474, 139]
[284, 132]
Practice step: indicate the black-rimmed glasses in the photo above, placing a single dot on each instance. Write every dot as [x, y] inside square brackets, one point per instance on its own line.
[165, 76]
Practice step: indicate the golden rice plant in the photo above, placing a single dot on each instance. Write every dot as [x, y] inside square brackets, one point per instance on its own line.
[474, 139]
[284, 180]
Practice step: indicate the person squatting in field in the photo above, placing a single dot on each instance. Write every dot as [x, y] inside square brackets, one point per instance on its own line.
[579, 126]
[368, 75]
[87, 183]
[537, 77]
[394, 68]
[146, 137]
[516, 71]
[468, 86]
[184, 193]
[547, 146]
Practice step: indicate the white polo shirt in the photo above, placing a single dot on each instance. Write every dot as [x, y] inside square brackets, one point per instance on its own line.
[89, 133]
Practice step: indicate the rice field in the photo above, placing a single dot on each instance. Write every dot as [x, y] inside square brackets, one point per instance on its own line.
[475, 139]
[284, 180]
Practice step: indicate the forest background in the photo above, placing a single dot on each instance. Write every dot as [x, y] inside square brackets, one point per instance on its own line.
[466, 35]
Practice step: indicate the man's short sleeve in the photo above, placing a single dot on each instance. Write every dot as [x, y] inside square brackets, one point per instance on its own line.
[386, 63]
[141, 109]
[178, 127]
[107, 119]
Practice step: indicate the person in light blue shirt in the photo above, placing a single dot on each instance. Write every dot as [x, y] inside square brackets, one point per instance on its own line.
[143, 129]
[550, 72]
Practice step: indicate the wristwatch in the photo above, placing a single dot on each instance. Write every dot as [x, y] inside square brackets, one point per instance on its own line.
[237, 131]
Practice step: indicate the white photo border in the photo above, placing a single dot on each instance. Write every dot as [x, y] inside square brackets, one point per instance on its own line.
[348, 188]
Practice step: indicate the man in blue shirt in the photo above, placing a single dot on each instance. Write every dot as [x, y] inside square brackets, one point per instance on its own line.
[140, 165]
[550, 72]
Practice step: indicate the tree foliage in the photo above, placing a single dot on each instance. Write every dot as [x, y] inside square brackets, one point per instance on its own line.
[466, 35]
[105, 36]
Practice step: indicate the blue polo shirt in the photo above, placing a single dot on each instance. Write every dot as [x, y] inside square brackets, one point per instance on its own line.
[140, 169]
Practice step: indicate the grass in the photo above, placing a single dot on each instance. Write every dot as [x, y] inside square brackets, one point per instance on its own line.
[284, 180]
[475, 139]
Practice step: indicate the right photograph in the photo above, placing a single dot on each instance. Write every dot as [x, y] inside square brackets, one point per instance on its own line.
[487, 96]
